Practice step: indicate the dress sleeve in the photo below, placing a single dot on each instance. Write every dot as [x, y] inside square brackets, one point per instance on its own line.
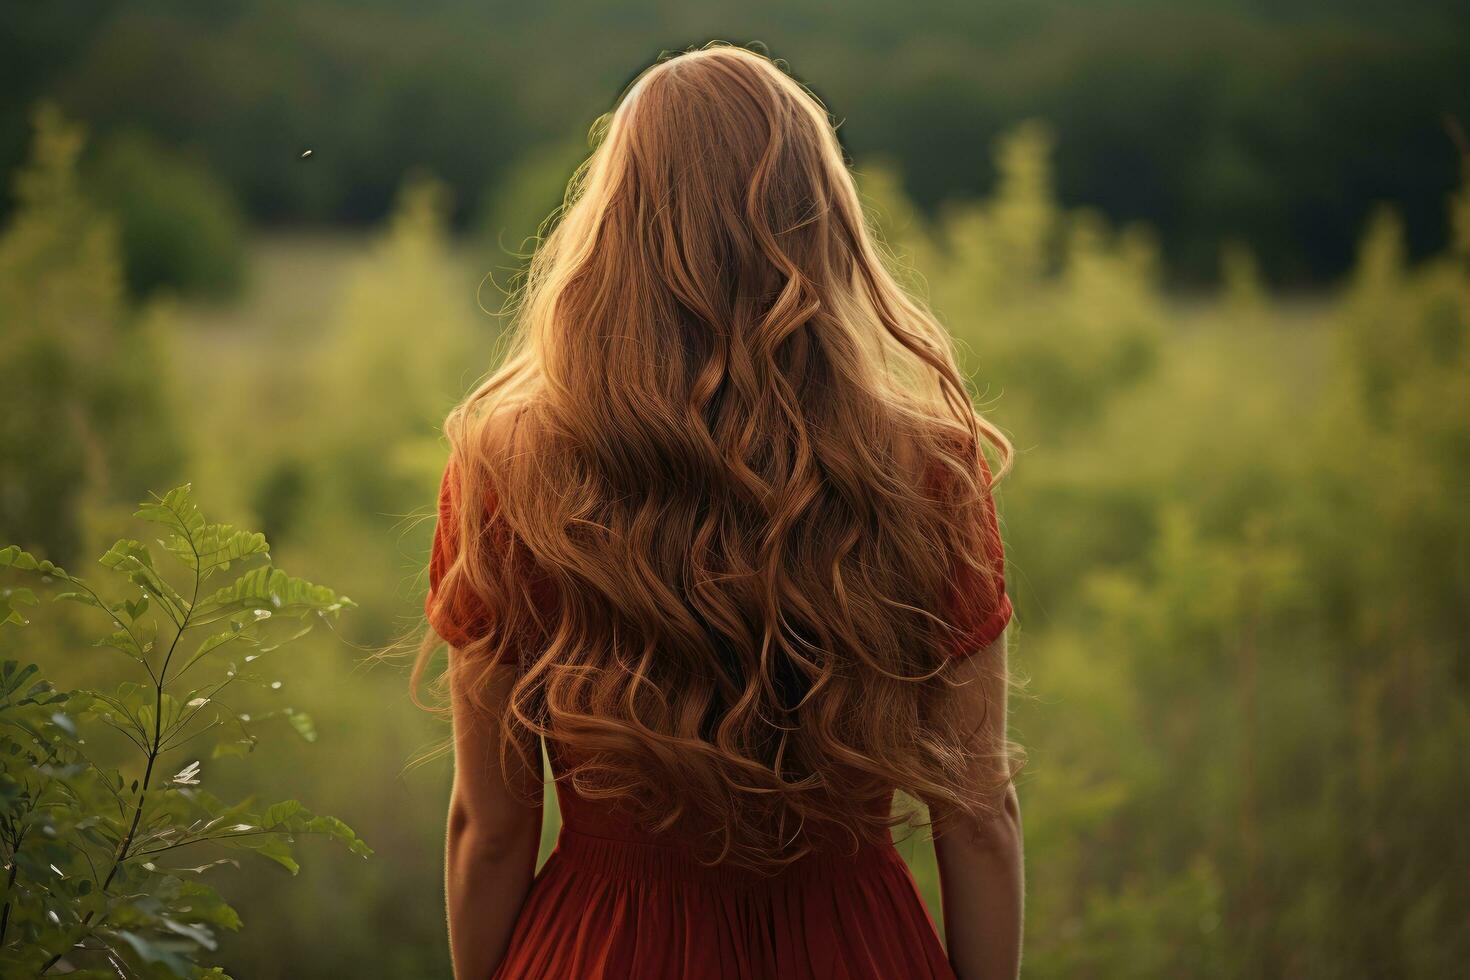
[979, 609]
[455, 613]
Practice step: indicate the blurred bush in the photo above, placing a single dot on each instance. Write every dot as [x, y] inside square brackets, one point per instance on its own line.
[1240, 555]
[514, 208]
[1278, 124]
[88, 421]
[178, 224]
[345, 434]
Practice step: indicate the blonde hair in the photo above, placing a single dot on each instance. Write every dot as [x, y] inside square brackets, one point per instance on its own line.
[707, 438]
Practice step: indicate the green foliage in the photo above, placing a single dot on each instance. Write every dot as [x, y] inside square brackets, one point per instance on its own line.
[1087, 312]
[1240, 553]
[1274, 125]
[339, 457]
[86, 411]
[108, 865]
[515, 208]
[179, 226]
[400, 337]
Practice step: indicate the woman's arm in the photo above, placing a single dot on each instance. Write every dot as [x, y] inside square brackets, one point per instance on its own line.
[980, 867]
[493, 836]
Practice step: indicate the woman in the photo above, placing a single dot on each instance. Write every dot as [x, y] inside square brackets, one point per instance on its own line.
[719, 535]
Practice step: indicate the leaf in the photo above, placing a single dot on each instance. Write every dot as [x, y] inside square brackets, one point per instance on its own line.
[11, 556]
[13, 675]
[279, 813]
[275, 848]
[85, 598]
[291, 816]
[133, 559]
[236, 748]
[9, 616]
[155, 952]
[198, 933]
[135, 608]
[237, 631]
[199, 545]
[9, 600]
[43, 692]
[121, 640]
[338, 831]
[205, 904]
[177, 510]
[199, 869]
[272, 591]
[127, 554]
[217, 545]
[301, 721]
[282, 641]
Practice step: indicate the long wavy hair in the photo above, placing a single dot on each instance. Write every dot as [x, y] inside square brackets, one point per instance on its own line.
[709, 440]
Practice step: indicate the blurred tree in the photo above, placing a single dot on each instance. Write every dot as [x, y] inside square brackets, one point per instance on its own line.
[516, 207]
[85, 414]
[180, 228]
[1240, 553]
[402, 327]
[398, 345]
[1277, 124]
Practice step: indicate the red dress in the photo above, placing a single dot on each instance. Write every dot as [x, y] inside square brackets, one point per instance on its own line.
[612, 901]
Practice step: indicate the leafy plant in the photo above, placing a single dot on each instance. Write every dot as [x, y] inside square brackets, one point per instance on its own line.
[102, 870]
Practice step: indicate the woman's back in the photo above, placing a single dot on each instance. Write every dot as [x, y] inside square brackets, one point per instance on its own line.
[618, 899]
[720, 535]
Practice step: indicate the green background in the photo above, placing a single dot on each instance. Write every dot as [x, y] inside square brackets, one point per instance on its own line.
[1206, 263]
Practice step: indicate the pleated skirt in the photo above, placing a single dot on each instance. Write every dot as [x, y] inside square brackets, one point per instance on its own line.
[603, 908]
